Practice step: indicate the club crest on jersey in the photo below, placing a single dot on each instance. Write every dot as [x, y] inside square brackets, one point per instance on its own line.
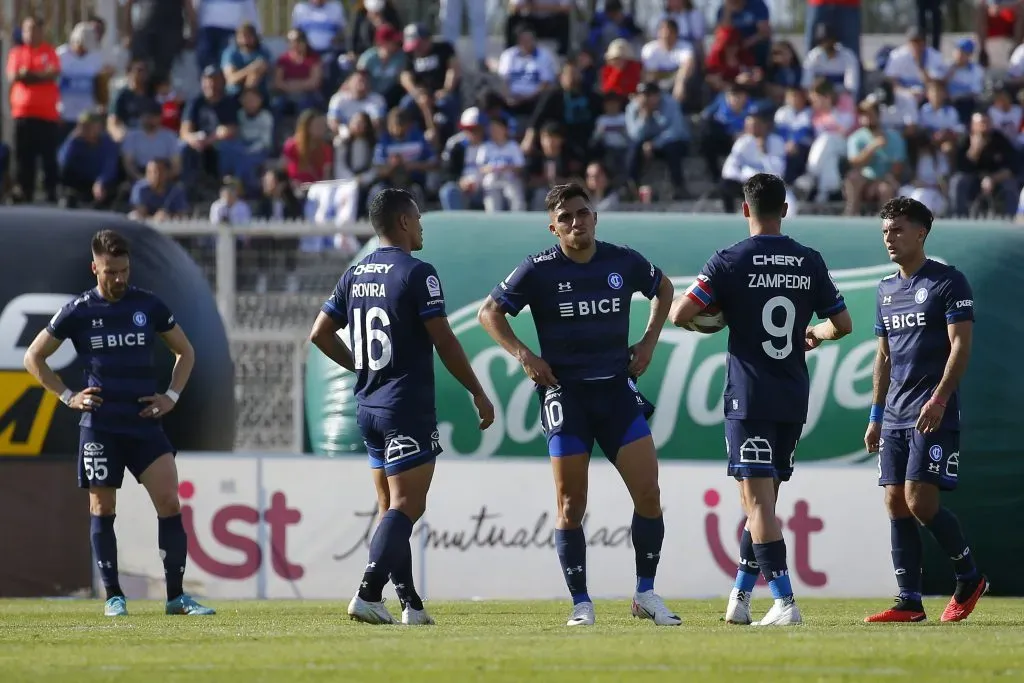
[935, 453]
[433, 286]
[139, 319]
[921, 295]
[615, 281]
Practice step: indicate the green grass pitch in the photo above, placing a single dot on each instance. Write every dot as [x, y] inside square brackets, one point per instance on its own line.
[280, 642]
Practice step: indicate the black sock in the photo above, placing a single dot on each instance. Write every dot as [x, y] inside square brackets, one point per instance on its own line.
[571, 546]
[772, 558]
[648, 536]
[946, 529]
[748, 569]
[401, 576]
[386, 548]
[907, 549]
[173, 544]
[104, 550]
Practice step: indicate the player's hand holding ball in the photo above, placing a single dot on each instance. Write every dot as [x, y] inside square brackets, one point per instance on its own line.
[157, 405]
[538, 370]
[640, 355]
[485, 409]
[708, 321]
[872, 436]
[86, 400]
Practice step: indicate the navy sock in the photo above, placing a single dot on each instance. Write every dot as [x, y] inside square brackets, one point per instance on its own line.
[748, 569]
[906, 557]
[401, 576]
[386, 552]
[772, 558]
[571, 546]
[648, 535]
[104, 550]
[946, 529]
[174, 550]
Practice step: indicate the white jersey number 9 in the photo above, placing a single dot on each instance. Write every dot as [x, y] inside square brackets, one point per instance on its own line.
[365, 332]
[783, 332]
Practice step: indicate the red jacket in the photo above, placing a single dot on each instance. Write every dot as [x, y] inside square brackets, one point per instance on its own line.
[621, 81]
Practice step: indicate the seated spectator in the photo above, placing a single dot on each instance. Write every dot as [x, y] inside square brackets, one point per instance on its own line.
[156, 196]
[998, 19]
[984, 180]
[548, 19]
[723, 123]
[586, 63]
[794, 125]
[384, 63]
[298, 77]
[148, 142]
[527, 71]
[833, 61]
[751, 19]
[323, 22]
[728, 61]
[551, 165]
[246, 64]
[689, 20]
[569, 104]
[657, 130]
[900, 109]
[833, 116]
[500, 162]
[610, 25]
[88, 162]
[1004, 113]
[355, 98]
[277, 201]
[492, 105]
[308, 154]
[209, 130]
[930, 185]
[913, 63]
[353, 156]
[431, 80]
[939, 121]
[462, 188]
[128, 102]
[82, 69]
[403, 157]
[877, 157]
[965, 80]
[669, 61]
[256, 137]
[784, 71]
[602, 196]
[171, 106]
[758, 150]
[622, 70]
[217, 22]
[610, 137]
[230, 208]
[365, 23]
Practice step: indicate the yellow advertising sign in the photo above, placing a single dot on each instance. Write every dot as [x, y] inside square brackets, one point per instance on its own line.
[26, 410]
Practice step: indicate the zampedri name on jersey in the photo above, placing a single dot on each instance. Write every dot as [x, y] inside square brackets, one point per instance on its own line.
[778, 281]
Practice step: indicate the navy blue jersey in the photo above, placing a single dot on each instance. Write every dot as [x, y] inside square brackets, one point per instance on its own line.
[769, 287]
[116, 339]
[581, 310]
[914, 314]
[383, 301]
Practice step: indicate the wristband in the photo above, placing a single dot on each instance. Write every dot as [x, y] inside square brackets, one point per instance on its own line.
[876, 413]
[173, 395]
[66, 396]
[937, 401]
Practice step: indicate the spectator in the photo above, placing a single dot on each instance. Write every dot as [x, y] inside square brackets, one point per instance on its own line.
[569, 104]
[458, 161]
[500, 162]
[451, 25]
[156, 196]
[403, 157]
[218, 21]
[148, 142]
[843, 17]
[930, 12]
[998, 19]
[836, 62]
[939, 122]
[298, 77]
[913, 63]
[669, 61]
[621, 71]
[385, 63]
[784, 71]
[128, 103]
[794, 125]
[277, 201]
[81, 70]
[877, 156]
[611, 137]
[323, 22]
[492, 105]
[586, 63]
[729, 60]
[609, 26]
[369, 16]
[900, 109]
[246, 64]
[230, 208]
[431, 81]
[355, 97]
[309, 156]
[209, 130]
[256, 137]
[965, 80]
[88, 162]
[756, 151]
[171, 106]
[930, 185]
[723, 122]
[548, 19]
[353, 155]
[33, 70]
[833, 117]
[689, 21]
[156, 32]
[984, 179]
[750, 18]
[549, 166]
[657, 130]
[1004, 114]
[527, 70]
[602, 196]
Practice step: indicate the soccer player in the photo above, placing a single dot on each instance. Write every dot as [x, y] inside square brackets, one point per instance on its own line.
[768, 286]
[115, 327]
[924, 324]
[579, 294]
[393, 307]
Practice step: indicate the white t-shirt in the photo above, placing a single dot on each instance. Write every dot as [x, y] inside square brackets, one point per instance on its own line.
[843, 70]
[78, 81]
[524, 74]
[940, 119]
[657, 60]
[227, 14]
[903, 68]
[692, 27]
[1006, 122]
[504, 160]
[343, 107]
[321, 24]
[747, 159]
[236, 214]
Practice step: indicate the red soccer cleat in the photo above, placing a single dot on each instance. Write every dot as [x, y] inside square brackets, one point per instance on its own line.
[902, 613]
[958, 611]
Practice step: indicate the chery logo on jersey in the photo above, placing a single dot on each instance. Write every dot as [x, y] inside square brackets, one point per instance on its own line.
[278, 517]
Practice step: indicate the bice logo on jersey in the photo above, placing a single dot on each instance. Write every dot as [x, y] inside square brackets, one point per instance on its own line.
[224, 528]
[116, 341]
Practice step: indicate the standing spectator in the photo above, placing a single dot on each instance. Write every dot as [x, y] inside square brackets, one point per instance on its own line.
[998, 19]
[246, 64]
[913, 63]
[833, 60]
[1004, 114]
[965, 80]
[795, 126]
[355, 97]
[451, 25]
[209, 130]
[33, 69]
[128, 102]
[309, 156]
[403, 157]
[298, 77]
[689, 21]
[622, 71]
[156, 32]
[723, 122]
[984, 179]
[548, 19]
[842, 17]
[500, 163]
[729, 62]
[431, 81]
[877, 156]
[569, 104]
[385, 63]
[369, 16]
[458, 161]
[549, 166]
[603, 197]
[929, 15]
[230, 208]
[657, 130]
[148, 142]
[218, 20]
[88, 162]
[756, 151]
[750, 18]
[256, 137]
[81, 72]
[669, 61]
[156, 196]
[611, 25]
[527, 70]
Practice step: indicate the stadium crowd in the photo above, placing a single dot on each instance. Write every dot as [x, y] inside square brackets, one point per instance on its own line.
[366, 99]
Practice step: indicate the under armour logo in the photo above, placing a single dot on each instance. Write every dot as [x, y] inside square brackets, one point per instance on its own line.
[651, 556]
[371, 565]
[105, 565]
[364, 584]
[574, 570]
[564, 286]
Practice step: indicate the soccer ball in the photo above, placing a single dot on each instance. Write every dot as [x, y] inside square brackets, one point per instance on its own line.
[708, 321]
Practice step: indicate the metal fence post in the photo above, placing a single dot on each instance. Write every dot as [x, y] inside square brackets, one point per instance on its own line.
[226, 275]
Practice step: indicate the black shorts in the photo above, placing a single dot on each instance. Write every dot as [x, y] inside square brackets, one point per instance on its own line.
[396, 444]
[908, 455]
[104, 456]
[761, 448]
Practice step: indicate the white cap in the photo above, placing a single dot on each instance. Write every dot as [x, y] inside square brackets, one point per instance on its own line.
[374, 5]
[470, 118]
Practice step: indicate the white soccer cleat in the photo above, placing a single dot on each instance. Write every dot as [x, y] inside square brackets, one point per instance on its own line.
[783, 613]
[649, 605]
[369, 612]
[582, 615]
[416, 617]
[738, 611]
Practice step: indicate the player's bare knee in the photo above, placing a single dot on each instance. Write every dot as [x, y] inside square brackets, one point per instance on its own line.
[571, 508]
[102, 502]
[896, 502]
[647, 500]
[412, 507]
[167, 504]
[922, 501]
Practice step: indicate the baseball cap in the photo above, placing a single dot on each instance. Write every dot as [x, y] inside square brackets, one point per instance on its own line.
[470, 118]
[374, 5]
[210, 71]
[387, 33]
[965, 45]
[414, 35]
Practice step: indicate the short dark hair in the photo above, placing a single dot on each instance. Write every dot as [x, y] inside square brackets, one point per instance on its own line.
[911, 209]
[559, 194]
[109, 243]
[553, 128]
[765, 194]
[387, 207]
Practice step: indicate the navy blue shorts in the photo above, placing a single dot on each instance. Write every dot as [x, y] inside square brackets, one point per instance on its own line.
[908, 455]
[396, 444]
[611, 412]
[103, 456]
[761, 448]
